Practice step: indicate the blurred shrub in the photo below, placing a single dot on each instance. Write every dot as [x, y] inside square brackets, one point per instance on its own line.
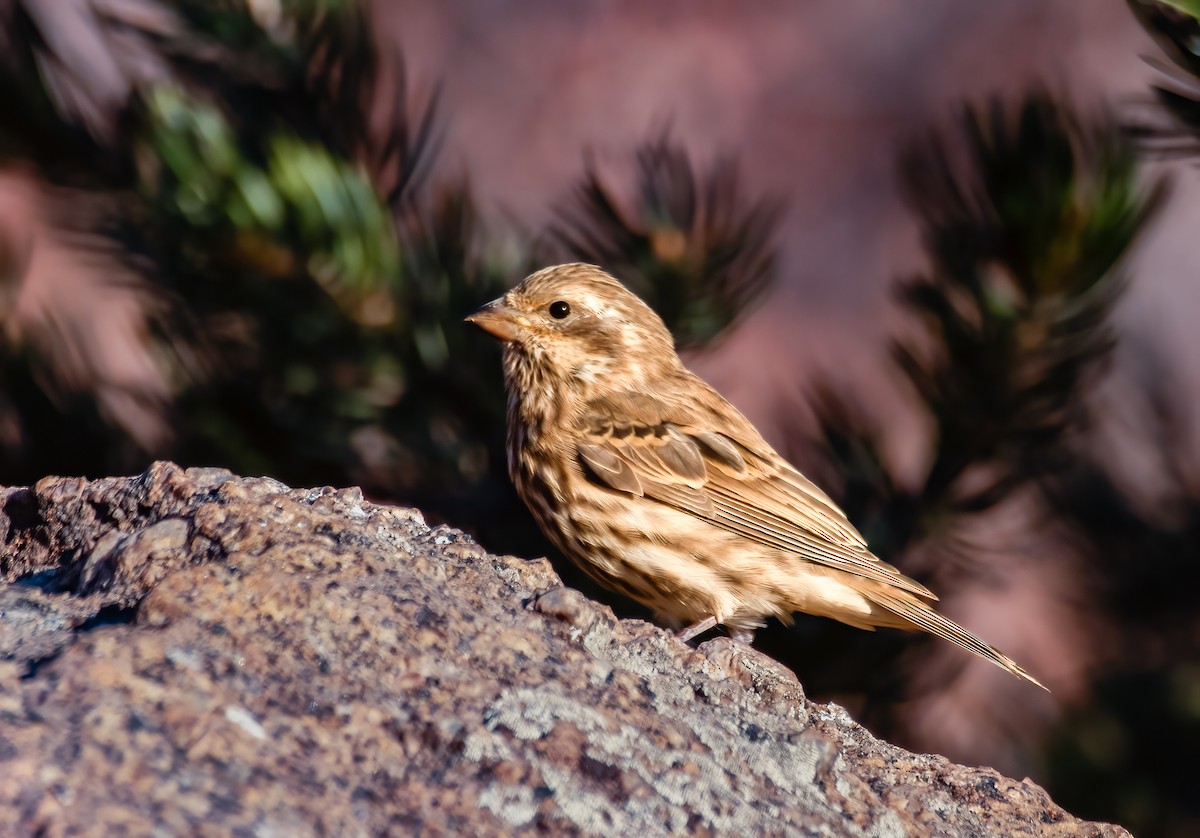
[301, 279]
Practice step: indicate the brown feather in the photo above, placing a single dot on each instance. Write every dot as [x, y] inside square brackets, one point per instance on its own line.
[787, 512]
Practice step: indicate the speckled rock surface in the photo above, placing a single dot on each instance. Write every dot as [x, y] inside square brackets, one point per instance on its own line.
[193, 653]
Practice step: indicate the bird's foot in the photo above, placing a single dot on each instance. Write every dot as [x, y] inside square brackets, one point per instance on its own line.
[741, 635]
[698, 627]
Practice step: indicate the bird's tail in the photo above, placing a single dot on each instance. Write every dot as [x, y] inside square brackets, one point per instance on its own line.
[917, 615]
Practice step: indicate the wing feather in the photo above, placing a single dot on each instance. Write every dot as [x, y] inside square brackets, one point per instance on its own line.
[929, 620]
[610, 469]
[641, 447]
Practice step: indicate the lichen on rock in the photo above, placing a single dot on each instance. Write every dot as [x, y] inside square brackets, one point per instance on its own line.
[189, 650]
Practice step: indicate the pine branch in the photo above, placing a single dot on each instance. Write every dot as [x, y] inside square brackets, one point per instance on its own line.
[690, 243]
[1026, 219]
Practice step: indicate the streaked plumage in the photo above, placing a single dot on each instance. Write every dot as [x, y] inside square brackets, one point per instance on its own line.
[659, 488]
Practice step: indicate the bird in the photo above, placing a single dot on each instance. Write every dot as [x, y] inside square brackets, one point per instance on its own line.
[658, 488]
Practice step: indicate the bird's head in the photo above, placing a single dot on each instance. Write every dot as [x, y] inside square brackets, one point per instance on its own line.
[575, 323]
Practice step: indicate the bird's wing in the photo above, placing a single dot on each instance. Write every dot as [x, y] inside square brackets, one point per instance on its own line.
[642, 445]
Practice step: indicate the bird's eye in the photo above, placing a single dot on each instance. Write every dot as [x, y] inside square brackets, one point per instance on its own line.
[559, 309]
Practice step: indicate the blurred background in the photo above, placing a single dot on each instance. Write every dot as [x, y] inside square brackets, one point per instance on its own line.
[942, 254]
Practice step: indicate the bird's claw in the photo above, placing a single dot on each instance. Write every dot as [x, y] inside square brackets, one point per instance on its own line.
[698, 627]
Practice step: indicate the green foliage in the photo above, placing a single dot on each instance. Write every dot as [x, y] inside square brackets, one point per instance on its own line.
[1190, 7]
[300, 197]
[1026, 214]
[1025, 239]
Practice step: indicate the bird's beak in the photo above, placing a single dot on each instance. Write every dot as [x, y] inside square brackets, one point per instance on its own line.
[497, 319]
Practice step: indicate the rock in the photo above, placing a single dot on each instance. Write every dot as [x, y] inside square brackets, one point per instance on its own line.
[190, 652]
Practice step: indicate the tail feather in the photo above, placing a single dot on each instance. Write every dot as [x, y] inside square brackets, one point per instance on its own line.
[921, 616]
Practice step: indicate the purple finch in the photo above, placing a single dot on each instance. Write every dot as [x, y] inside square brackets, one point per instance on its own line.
[660, 489]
